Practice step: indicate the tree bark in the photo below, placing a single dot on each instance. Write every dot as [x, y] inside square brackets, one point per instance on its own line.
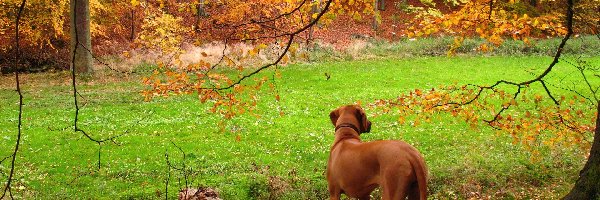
[314, 10]
[81, 42]
[533, 3]
[588, 184]
[132, 34]
[381, 4]
[375, 24]
[200, 13]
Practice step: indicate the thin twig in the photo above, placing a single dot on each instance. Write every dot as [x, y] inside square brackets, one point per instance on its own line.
[548, 92]
[75, 93]
[168, 176]
[103, 63]
[7, 188]
[252, 21]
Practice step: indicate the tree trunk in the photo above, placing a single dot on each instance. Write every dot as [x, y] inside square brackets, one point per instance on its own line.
[533, 3]
[132, 34]
[376, 10]
[80, 34]
[381, 4]
[200, 12]
[588, 184]
[311, 30]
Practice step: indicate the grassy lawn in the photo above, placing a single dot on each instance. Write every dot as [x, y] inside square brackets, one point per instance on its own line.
[271, 156]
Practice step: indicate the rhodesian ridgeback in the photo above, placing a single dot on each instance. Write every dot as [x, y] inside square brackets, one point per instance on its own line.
[356, 168]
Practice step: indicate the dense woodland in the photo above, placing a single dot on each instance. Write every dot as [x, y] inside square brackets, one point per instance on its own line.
[118, 27]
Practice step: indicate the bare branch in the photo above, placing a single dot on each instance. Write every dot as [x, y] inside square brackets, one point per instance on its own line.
[581, 67]
[183, 169]
[103, 63]
[504, 107]
[539, 78]
[574, 91]
[491, 9]
[548, 92]
[7, 188]
[287, 47]
[252, 21]
[168, 176]
[290, 36]
[75, 94]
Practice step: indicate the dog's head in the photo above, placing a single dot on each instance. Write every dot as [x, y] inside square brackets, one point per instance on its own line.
[351, 114]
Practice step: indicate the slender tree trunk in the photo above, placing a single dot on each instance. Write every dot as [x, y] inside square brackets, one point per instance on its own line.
[588, 184]
[132, 35]
[199, 8]
[311, 30]
[200, 13]
[376, 10]
[533, 3]
[80, 19]
[381, 4]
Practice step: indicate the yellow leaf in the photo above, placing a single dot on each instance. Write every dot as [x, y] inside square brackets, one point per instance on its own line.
[285, 59]
[447, 23]
[252, 52]
[135, 3]
[261, 46]
[401, 120]
[484, 47]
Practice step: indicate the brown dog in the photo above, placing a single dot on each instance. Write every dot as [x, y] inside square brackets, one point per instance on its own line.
[356, 168]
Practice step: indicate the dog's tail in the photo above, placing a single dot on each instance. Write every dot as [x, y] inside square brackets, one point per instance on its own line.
[421, 172]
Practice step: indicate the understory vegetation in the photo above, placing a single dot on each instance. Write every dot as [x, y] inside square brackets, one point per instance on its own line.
[588, 45]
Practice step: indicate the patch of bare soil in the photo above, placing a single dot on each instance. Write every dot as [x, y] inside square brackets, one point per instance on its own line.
[201, 193]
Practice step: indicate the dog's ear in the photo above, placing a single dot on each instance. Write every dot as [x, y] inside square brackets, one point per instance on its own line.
[364, 122]
[334, 115]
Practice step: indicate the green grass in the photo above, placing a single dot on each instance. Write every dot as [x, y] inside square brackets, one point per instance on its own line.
[277, 156]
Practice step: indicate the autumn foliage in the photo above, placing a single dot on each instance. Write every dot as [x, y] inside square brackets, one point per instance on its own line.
[118, 25]
[530, 119]
[493, 21]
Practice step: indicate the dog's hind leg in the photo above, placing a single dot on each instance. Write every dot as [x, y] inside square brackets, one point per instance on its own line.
[413, 193]
[334, 193]
[366, 197]
[394, 186]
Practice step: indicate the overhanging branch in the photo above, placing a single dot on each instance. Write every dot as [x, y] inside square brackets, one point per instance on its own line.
[539, 78]
[290, 40]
